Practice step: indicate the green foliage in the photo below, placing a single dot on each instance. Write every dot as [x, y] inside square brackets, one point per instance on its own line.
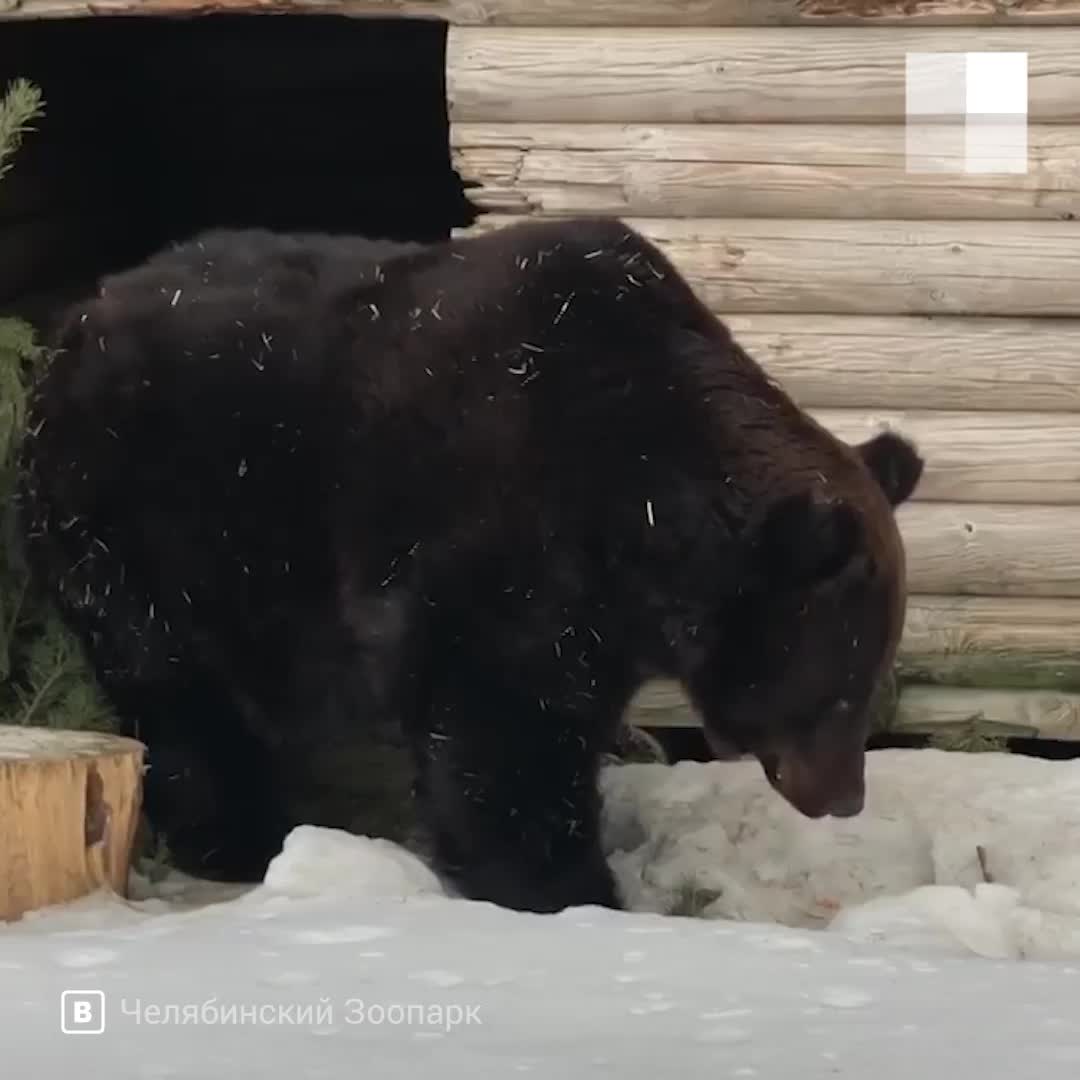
[17, 353]
[976, 735]
[44, 677]
[20, 106]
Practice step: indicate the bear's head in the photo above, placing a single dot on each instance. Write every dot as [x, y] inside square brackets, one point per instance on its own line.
[796, 656]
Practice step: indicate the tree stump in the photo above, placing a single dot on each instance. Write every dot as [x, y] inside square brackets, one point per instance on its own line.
[69, 810]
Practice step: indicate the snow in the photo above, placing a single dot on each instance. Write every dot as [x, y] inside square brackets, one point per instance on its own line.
[907, 870]
[869, 946]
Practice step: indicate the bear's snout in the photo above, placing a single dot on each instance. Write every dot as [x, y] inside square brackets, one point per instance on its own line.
[819, 783]
[845, 806]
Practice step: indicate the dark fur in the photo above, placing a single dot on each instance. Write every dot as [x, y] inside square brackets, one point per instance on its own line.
[303, 497]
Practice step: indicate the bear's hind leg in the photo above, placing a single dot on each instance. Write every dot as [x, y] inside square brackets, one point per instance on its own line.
[209, 787]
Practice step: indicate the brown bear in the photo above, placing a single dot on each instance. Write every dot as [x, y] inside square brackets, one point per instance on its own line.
[319, 503]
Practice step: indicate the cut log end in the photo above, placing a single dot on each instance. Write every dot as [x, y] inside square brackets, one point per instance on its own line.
[69, 809]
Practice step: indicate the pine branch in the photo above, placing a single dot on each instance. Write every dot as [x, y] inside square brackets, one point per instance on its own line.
[20, 106]
[44, 674]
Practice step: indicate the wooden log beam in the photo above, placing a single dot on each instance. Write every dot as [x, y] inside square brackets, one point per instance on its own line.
[919, 710]
[990, 625]
[755, 170]
[604, 12]
[69, 809]
[745, 266]
[991, 550]
[947, 710]
[974, 457]
[642, 75]
[915, 362]
[992, 642]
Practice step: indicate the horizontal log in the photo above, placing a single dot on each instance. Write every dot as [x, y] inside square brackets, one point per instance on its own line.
[606, 12]
[755, 170]
[643, 75]
[992, 642]
[990, 625]
[923, 710]
[942, 710]
[974, 457]
[738, 266]
[991, 549]
[915, 362]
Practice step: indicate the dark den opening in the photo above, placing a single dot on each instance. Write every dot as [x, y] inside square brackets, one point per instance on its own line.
[157, 128]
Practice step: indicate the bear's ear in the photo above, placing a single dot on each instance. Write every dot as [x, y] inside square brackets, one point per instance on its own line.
[895, 464]
[805, 538]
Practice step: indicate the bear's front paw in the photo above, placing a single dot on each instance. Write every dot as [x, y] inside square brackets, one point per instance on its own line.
[540, 890]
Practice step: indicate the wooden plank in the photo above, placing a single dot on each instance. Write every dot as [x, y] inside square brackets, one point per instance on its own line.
[1003, 713]
[974, 457]
[65, 9]
[739, 266]
[607, 12]
[991, 549]
[1044, 714]
[992, 642]
[994, 625]
[643, 75]
[754, 170]
[918, 362]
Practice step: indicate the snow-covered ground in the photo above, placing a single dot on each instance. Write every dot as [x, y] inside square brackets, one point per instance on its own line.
[873, 947]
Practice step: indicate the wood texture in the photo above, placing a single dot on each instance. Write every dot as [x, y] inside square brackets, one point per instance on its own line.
[870, 267]
[920, 710]
[917, 362]
[992, 642]
[1006, 713]
[755, 170]
[990, 625]
[992, 550]
[69, 809]
[610, 12]
[974, 457]
[649, 76]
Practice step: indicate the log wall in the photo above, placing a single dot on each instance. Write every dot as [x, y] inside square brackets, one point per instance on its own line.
[771, 162]
[617, 13]
[637, 75]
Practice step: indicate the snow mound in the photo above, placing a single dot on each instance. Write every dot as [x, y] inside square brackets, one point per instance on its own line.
[323, 862]
[968, 852]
